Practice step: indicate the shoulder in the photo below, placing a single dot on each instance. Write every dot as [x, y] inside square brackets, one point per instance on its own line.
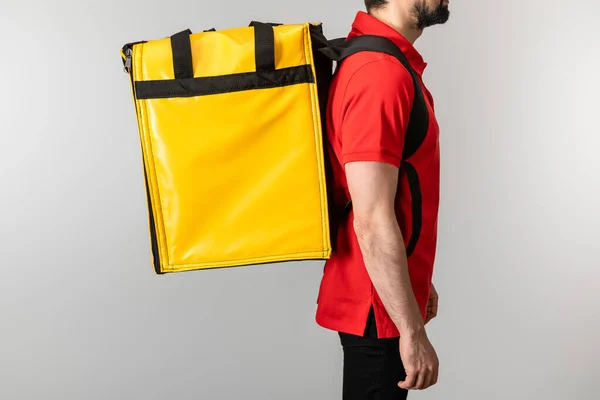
[373, 71]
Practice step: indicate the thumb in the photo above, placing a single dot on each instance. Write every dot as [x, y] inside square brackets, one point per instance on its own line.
[409, 381]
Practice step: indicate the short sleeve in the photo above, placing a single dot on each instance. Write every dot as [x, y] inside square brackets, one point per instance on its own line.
[375, 113]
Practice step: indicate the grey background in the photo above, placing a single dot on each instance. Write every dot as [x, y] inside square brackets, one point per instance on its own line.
[83, 316]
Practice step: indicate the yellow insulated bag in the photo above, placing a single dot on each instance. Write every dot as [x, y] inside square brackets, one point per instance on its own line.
[234, 155]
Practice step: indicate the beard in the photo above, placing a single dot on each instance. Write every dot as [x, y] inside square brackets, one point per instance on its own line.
[427, 18]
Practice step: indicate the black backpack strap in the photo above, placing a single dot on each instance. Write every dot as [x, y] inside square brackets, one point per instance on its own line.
[340, 49]
[416, 132]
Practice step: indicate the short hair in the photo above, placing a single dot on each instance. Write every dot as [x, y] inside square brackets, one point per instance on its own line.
[375, 4]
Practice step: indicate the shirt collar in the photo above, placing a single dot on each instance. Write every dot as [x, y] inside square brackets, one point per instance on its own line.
[365, 24]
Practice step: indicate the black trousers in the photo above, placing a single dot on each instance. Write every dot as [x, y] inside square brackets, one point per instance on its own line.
[372, 367]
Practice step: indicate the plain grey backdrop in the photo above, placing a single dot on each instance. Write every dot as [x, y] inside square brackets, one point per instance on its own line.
[83, 316]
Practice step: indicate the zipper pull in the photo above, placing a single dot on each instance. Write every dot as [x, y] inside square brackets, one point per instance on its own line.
[127, 67]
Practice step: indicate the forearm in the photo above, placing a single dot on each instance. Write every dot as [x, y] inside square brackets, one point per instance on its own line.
[383, 251]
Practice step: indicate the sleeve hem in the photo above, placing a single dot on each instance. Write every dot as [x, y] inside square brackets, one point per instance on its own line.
[372, 156]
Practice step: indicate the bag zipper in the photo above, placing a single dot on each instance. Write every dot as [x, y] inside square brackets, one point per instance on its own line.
[128, 51]
[127, 66]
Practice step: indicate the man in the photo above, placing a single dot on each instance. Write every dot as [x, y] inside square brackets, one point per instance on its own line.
[372, 293]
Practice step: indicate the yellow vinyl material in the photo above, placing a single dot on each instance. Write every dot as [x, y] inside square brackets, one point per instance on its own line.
[233, 178]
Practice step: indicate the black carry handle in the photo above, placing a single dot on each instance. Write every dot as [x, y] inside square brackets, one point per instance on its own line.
[264, 47]
[182, 55]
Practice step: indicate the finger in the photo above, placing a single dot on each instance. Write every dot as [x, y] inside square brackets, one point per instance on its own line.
[428, 378]
[420, 385]
[435, 376]
[434, 305]
[434, 292]
[410, 380]
[432, 309]
[431, 314]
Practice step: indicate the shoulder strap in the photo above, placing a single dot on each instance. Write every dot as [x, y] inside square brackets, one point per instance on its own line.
[340, 49]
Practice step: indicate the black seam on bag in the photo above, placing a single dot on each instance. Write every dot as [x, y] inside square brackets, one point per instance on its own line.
[416, 204]
[223, 84]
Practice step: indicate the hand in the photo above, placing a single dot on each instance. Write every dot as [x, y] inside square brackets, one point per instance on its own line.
[420, 362]
[432, 305]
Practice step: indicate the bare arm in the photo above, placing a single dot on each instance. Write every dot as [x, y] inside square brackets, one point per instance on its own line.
[372, 187]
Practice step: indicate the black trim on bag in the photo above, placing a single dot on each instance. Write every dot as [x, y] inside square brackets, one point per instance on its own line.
[153, 236]
[223, 84]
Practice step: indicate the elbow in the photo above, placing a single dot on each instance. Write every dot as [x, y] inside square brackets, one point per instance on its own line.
[366, 233]
[373, 229]
[367, 228]
[363, 227]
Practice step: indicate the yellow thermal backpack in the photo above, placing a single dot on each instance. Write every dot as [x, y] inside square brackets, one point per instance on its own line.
[233, 145]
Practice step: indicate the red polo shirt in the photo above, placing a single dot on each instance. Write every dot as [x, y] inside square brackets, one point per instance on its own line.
[367, 116]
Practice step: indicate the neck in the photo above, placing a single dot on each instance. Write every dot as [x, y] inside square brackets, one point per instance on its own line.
[399, 16]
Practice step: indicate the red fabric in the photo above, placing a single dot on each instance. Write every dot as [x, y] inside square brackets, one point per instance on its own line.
[367, 116]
